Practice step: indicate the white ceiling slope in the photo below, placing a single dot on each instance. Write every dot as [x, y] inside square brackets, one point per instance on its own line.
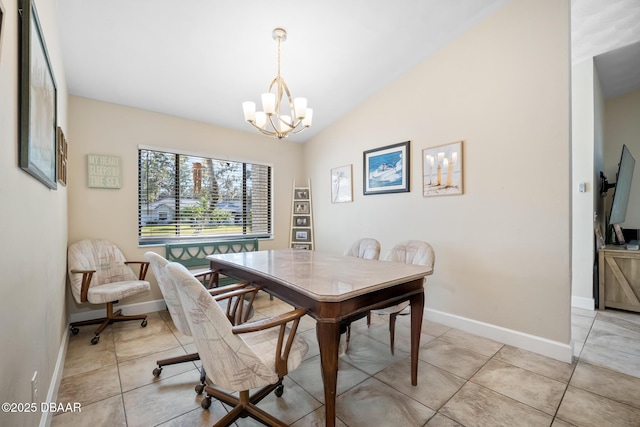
[200, 59]
[609, 31]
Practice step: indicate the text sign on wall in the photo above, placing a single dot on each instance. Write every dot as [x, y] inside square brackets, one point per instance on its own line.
[103, 171]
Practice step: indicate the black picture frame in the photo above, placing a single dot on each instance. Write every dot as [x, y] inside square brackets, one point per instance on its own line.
[387, 169]
[1, 16]
[38, 101]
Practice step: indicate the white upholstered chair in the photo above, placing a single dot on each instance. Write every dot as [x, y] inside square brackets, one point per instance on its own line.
[99, 274]
[408, 252]
[236, 313]
[366, 247]
[239, 358]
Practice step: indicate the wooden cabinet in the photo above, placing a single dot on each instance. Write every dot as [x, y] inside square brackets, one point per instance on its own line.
[619, 283]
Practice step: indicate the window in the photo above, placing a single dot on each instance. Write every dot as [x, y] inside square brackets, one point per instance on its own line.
[184, 196]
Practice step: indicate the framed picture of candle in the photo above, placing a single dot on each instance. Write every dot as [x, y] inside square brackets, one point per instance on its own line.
[386, 169]
[442, 172]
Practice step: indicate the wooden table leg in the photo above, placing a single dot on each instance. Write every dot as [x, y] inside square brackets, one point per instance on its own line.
[417, 307]
[328, 338]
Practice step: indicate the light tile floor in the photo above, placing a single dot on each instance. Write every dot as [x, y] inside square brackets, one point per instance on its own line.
[464, 380]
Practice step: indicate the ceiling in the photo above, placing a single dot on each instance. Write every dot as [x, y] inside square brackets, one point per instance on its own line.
[608, 31]
[200, 59]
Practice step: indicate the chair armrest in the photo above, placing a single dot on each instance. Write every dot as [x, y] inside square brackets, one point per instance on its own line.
[237, 313]
[279, 320]
[228, 288]
[144, 267]
[282, 352]
[212, 275]
[86, 281]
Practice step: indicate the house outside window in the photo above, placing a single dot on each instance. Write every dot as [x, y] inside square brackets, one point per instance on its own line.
[187, 197]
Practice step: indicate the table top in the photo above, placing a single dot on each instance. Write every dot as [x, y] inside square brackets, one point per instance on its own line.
[323, 276]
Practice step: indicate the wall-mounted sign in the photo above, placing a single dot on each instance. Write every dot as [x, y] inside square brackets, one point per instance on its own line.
[103, 171]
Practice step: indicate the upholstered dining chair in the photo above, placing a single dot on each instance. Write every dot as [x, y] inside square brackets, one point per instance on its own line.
[236, 313]
[239, 358]
[99, 274]
[410, 252]
[367, 248]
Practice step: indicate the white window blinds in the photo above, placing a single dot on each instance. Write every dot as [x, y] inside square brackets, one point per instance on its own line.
[183, 196]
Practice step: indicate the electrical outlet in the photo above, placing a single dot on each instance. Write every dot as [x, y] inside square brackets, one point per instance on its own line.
[34, 387]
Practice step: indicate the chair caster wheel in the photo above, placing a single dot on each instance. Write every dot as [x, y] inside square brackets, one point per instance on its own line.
[199, 388]
[144, 323]
[157, 372]
[95, 339]
[75, 331]
[279, 390]
[206, 402]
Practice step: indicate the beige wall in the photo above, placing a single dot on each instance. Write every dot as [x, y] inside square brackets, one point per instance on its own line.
[503, 248]
[34, 237]
[101, 128]
[623, 127]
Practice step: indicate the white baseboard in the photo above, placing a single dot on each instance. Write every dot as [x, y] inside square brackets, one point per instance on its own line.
[129, 309]
[581, 302]
[56, 378]
[543, 346]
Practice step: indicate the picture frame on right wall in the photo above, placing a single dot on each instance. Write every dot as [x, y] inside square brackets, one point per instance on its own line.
[442, 170]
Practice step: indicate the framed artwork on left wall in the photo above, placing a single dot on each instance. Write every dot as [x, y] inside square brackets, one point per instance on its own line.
[38, 101]
[1, 16]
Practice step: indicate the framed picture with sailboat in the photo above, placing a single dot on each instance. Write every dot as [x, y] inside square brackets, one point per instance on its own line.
[386, 169]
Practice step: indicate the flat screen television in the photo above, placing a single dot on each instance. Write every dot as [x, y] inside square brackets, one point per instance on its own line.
[624, 176]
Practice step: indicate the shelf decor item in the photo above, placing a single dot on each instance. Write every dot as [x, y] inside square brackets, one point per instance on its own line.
[301, 236]
[38, 101]
[386, 169]
[442, 170]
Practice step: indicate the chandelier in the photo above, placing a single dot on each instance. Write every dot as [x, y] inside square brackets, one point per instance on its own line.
[271, 121]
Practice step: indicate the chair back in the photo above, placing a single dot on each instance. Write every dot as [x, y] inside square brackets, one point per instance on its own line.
[228, 361]
[102, 256]
[413, 252]
[364, 248]
[170, 295]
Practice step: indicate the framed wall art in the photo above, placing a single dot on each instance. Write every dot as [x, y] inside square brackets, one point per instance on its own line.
[1, 16]
[386, 169]
[104, 171]
[442, 172]
[301, 194]
[62, 157]
[302, 221]
[341, 184]
[301, 235]
[301, 207]
[38, 101]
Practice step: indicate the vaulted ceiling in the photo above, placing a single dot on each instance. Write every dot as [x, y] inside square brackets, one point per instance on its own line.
[200, 59]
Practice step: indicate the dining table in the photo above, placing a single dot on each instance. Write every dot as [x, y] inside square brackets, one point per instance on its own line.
[335, 290]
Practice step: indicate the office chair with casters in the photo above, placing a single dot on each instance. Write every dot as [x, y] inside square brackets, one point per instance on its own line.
[99, 274]
[239, 358]
[367, 248]
[236, 313]
[410, 252]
